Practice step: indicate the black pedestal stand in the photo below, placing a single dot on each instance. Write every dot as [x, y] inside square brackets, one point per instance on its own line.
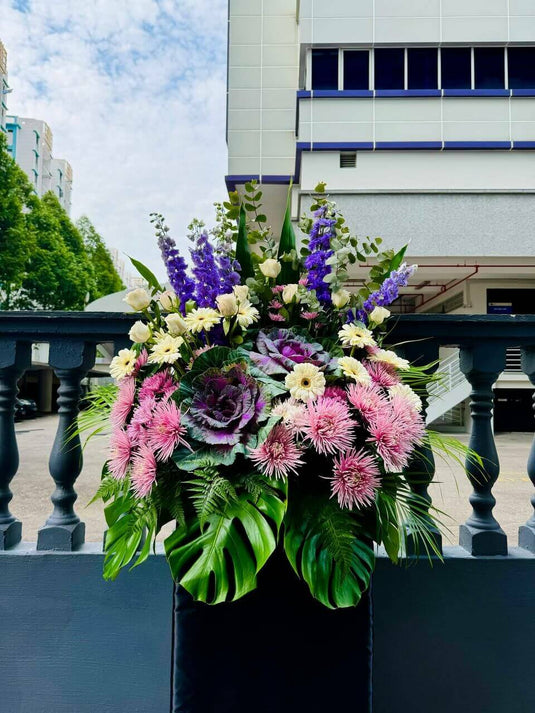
[275, 651]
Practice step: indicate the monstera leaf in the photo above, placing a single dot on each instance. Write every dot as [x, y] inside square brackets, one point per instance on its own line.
[325, 546]
[219, 561]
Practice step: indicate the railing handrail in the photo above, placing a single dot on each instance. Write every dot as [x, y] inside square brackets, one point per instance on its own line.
[73, 336]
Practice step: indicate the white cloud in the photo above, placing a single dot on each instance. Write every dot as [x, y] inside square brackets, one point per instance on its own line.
[134, 92]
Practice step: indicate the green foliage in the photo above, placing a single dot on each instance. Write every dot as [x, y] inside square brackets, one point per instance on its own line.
[243, 251]
[129, 520]
[219, 560]
[106, 280]
[210, 493]
[16, 242]
[289, 273]
[326, 547]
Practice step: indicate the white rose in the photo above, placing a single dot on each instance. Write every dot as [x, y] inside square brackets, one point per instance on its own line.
[379, 314]
[175, 324]
[168, 300]
[289, 294]
[227, 304]
[241, 292]
[139, 332]
[138, 299]
[270, 267]
[340, 298]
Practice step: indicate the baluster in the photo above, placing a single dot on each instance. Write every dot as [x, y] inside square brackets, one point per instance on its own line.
[64, 530]
[421, 469]
[526, 533]
[15, 358]
[481, 534]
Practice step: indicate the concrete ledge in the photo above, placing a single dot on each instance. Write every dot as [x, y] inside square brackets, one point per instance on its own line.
[448, 637]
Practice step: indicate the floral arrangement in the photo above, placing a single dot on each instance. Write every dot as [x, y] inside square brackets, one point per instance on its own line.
[259, 406]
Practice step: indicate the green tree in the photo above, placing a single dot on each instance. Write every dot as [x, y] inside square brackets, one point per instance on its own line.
[58, 273]
[16, 242]
[106, 279]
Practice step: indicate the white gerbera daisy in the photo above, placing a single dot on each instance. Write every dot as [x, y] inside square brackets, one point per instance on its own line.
[123, 364]
[305, 382]
[386, 356]
[166, 350]
[355, 335]
[405, 391]
[246, 314]
[354, 370]
[202, 318]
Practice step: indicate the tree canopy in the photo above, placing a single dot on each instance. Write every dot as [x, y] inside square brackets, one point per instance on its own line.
[46, 261]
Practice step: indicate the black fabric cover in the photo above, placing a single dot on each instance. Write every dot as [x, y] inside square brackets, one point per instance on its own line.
[275, 651]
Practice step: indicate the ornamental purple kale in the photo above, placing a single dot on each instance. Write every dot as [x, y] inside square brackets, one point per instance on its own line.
[279, 350]
[320, 251]
[225, 408]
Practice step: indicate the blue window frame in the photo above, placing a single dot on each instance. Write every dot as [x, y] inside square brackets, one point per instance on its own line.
[325, 69]
[390, 68]
[489, 67]
[456, 67]
[356, 69]
[521, 61]
[423, 68]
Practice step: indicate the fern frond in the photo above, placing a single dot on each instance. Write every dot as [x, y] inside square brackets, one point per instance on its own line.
[210, 493]
[109, 487]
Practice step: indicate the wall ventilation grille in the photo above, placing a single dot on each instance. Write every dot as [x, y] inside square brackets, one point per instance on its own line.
[348, 159]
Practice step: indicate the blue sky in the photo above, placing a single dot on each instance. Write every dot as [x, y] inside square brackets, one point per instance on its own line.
[134, 92]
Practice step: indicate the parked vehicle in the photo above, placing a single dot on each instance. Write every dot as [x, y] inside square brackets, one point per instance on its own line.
[25, 408]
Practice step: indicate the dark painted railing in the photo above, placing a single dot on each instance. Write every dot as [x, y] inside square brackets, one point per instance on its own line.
[73, 337]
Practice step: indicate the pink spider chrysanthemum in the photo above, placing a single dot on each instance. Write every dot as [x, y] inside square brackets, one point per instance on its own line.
[335, 392]
[278, 455]
[143, 471]
[355, 479]
[166, 431]
[275, 317]
[141, 361]
[309, 315]
[368, 399]
[141, 421]
[381, 374]
[124, 402]
[409, 421]
[329, 425]
[121, 453]
[160, 385]
[390, 439]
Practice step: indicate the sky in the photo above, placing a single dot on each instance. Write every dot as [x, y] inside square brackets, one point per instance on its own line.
[134, 92]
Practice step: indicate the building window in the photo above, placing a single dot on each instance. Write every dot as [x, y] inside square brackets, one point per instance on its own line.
[348, 159]
[489, 67]
[521, 61]
[423, 68]
[389, 68]
[456, 67]
[356, 69]
[325, 69]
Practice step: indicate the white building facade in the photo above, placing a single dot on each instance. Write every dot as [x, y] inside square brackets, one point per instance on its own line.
[4, 88]
[420, 117]
[30, 142]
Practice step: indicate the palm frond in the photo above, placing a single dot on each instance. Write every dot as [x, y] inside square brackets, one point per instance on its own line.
[95, 418]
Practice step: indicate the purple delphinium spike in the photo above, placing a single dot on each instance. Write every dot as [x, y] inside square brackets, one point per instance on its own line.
[205, 270]
[320, 251]
[229, 268]
[388, 292]
[175, 265]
